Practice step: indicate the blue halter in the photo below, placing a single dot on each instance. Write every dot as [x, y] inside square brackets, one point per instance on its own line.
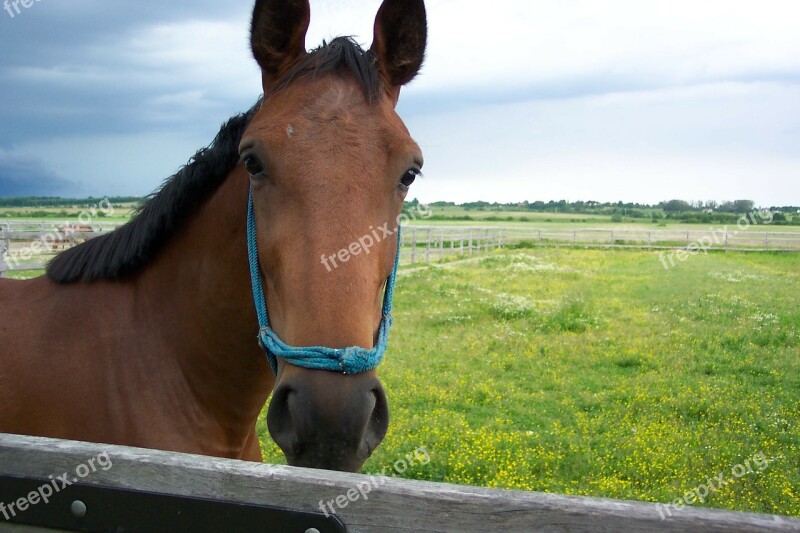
[352, 360]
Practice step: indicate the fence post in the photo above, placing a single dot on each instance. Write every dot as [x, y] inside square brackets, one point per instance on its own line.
[539, 236]
[400, 247]
[766, 241]
[428, 246]
[649, 240]
[726, 238]
[441, 244]
[413, 245]
[4, 267]
[5, 247]
[470, 241]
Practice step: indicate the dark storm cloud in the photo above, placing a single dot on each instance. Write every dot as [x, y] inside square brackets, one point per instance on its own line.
[562, 99]
[51, 43]
[25, 176]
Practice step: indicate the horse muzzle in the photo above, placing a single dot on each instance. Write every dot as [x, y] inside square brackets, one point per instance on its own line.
[327, 420]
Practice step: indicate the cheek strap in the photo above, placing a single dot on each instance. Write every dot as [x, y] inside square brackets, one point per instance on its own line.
[351, 360]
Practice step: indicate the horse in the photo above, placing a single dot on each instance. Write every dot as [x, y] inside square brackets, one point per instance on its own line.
[65, 236]
[148, 336]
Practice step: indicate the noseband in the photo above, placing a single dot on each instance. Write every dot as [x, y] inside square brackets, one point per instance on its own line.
[351, 360]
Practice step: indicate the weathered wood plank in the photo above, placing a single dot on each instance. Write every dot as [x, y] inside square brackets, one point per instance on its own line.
[381, 504]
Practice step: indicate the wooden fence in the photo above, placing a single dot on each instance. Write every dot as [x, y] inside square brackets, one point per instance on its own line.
[693, 240]
[422, 244]
[29, 245]
[425, 244]
[114, 488]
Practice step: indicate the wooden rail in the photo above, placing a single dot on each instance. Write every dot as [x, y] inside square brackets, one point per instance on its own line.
[422, 244]
[747, 239]
[390, 504]
[29, 245]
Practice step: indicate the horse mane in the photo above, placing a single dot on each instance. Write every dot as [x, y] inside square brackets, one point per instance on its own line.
[341, 54]
[123, 252]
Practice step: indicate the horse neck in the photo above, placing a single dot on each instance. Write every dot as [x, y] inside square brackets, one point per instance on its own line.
[198, 291]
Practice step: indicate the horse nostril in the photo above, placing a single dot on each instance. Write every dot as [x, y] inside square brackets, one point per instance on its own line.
[279, 420]
[378, 423]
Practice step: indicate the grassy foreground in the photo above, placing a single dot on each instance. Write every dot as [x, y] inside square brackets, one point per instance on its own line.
[600, 373]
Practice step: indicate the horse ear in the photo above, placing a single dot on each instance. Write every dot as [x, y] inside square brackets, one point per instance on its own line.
[278, 33]
[401, 34]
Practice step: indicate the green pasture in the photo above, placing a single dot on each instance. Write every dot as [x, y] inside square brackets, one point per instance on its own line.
[593, 372]
[121, 213]
[599, 372]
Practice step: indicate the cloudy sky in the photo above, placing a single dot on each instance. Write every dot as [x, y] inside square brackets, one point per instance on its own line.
[633, 100]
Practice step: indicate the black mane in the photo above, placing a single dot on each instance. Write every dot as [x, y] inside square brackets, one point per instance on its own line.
[119, 254]
[341, 55]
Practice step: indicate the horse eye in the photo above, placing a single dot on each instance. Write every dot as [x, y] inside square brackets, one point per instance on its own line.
[409, 177]
[254, 166]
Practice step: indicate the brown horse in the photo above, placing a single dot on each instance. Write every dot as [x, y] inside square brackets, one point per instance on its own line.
[65, 236]
[147, 336]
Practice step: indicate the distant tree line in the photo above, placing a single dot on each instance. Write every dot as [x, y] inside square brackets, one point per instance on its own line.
[36, 201]
[564, 206]
[677, 210]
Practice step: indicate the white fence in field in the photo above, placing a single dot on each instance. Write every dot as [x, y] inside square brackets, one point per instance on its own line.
[423, 244]
[29, 245]
[711, 239]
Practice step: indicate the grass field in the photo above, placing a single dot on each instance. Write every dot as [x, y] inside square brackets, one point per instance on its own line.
[599, 373]
[121, 213]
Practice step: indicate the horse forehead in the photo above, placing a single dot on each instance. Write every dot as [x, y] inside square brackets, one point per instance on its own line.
[342, 108]
[336, 106]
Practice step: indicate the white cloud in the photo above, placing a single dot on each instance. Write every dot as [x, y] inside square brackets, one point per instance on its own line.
[601, 99]
[213, 57]
[707, 142]
[520, 42]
